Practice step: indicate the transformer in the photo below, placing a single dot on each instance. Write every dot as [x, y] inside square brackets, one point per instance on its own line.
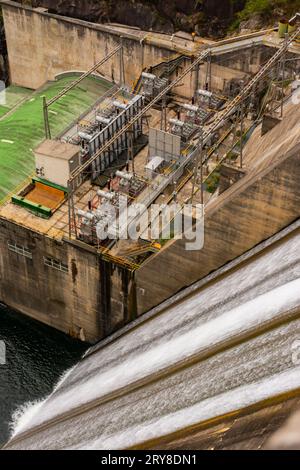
[153, 85]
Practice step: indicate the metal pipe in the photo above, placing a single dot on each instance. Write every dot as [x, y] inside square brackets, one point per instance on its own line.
[85, 136]
[190, 107]
[149, 76]
[297, 15]
[103, 120]
[176, 122]
[207, 94]
[124, 175]
[85, 215]
[106, 195]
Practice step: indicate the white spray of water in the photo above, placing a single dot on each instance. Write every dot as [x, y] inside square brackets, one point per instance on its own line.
[241, 320]
[24, 414]
[224, 403]
[258, 294]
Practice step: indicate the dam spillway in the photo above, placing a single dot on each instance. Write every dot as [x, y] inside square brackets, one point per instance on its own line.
[217, 348]
[190, 340]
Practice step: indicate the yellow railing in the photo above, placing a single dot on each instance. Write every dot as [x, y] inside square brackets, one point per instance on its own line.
[119, 261]
[134, 84]
[17, 189]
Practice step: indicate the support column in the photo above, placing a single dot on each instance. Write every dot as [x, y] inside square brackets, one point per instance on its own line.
[242, 132]
[122, 68]
[130, 153]
[46, 119]
[163, 120]
[199, 159]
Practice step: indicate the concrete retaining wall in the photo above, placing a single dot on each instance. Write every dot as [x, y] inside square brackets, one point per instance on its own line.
[86, 302]
[42, 45]
[252, 210]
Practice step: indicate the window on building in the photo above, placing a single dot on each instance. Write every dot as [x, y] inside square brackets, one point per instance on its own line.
[55, 264]
[20, 250]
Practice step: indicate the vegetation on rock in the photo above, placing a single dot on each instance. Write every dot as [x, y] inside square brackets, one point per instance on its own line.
[212, 18]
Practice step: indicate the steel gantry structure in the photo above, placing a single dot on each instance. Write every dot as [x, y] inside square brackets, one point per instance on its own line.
[206, 134]
[139, 115]
[47, 104]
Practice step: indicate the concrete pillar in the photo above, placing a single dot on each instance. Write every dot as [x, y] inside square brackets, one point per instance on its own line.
[268, 123]
[228, 176]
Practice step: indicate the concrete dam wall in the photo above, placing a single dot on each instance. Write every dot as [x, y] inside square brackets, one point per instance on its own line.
[86, 301]
[93, 296]
[97, 296]
[163, 381]
[40, 51]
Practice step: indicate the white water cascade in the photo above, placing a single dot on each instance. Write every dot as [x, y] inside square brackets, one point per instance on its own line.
[220, 348]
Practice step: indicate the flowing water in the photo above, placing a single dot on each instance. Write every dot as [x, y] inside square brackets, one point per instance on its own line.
[36, 356]
[226, 346]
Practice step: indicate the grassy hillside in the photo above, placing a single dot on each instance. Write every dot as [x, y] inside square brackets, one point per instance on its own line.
[267, 8]
[22, 124]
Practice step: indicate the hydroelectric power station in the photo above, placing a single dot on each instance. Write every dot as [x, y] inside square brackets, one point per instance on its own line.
[116, 119]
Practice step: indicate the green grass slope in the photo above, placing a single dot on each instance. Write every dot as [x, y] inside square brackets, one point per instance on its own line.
[22, 129]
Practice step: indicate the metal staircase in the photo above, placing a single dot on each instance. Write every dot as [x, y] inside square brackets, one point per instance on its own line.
[166, 68]
[204, 54]
[233, 105]
[215, 125]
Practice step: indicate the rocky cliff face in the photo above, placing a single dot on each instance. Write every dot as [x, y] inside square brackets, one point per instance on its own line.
[205, 16]
[3, 54]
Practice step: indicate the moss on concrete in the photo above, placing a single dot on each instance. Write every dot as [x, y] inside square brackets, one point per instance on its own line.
[23, 128]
